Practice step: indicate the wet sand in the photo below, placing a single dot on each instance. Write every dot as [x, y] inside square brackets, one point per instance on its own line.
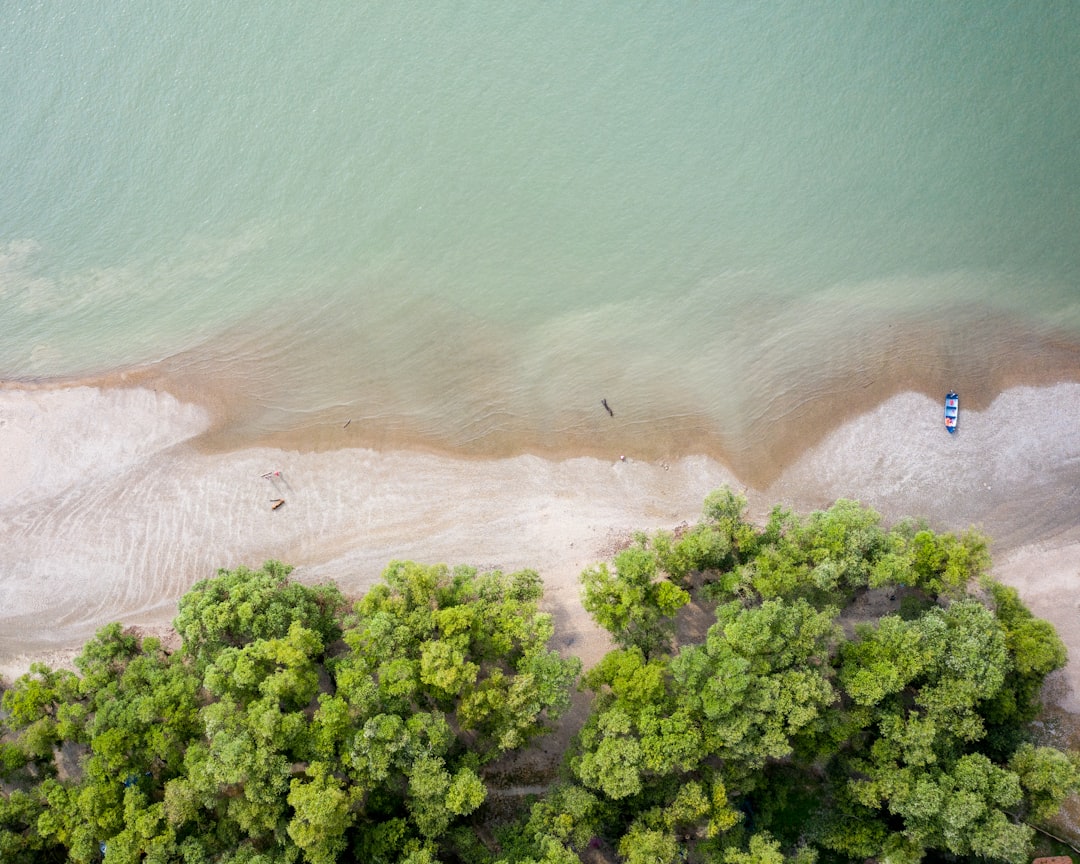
[112, 505]
[755, 399]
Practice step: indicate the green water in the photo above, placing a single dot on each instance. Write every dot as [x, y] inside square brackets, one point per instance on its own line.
[473, 220]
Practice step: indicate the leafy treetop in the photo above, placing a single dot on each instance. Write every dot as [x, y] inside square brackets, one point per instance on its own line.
[284, 730]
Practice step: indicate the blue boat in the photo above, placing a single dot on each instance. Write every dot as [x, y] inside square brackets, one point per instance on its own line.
[952, 409]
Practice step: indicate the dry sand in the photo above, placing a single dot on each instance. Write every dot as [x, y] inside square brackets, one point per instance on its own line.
[108, 510]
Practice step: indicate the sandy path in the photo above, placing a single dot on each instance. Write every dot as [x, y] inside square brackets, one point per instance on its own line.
[117, 522]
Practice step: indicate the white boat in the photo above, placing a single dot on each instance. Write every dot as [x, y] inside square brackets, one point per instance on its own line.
[952, 411]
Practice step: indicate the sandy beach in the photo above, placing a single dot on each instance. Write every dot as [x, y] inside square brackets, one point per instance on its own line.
[109, 510]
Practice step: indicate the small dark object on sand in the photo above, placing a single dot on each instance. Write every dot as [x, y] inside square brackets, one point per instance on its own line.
[278, 502]
[607, 407]
[347, 422]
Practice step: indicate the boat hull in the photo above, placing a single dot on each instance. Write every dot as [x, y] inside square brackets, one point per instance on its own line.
[952, 412]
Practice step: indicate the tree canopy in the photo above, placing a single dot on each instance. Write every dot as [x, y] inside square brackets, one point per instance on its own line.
[862, 694]
[286, 728]
[859, 693]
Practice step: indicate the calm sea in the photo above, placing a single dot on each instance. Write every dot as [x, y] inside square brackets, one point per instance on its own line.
[465, 224]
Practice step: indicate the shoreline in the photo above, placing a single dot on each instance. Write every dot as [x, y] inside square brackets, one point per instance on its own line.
[755, 411]
[796, 411]
[116, 524]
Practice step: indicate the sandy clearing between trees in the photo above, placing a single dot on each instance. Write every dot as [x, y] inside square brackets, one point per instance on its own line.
[117, 522]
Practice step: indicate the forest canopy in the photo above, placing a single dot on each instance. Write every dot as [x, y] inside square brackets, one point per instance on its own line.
[814, 689]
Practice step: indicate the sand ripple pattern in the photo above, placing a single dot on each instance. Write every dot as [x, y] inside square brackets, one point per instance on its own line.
[116, 523]
[108, 512]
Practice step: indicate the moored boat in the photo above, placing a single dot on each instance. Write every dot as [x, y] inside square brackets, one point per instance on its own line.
[952, 411]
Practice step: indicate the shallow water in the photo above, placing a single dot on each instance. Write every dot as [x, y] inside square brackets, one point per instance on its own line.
[461, 227]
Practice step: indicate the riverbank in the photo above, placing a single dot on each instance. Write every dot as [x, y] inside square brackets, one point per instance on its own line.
[109, 510]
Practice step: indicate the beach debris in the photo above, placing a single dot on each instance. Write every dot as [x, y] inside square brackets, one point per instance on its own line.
[278, 502]
[622, 458]
[271, 475]
[347, 422]
[607, 407]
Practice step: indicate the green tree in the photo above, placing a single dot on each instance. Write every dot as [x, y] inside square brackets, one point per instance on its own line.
[634, 603]
[721, 541]
[763, 849]
[468, 645]
[568, 814]
[321, 815]
[242, 605]
[285, 728]
[778, 735]
[1047, 776]
[20, 840]
[642, 845]
[290, 729]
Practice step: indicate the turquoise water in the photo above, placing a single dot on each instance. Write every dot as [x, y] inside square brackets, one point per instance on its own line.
[464, 224]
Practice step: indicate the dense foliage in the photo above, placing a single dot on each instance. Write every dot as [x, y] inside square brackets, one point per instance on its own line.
[861, 695]
[284, 729]
[855, 693]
